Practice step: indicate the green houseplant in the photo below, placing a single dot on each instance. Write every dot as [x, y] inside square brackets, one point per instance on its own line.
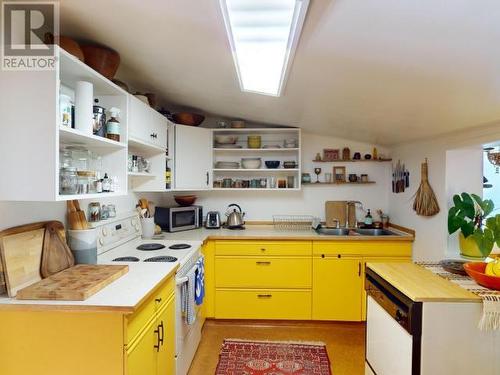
[477, 234]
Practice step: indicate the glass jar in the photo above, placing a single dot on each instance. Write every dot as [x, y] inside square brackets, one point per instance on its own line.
[66, 109]
[94, 212]
[68, 180]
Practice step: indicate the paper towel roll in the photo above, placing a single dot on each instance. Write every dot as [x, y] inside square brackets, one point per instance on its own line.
[84, 100]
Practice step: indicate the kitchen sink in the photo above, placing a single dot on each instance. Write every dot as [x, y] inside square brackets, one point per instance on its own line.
[375, 232]
[333, 231]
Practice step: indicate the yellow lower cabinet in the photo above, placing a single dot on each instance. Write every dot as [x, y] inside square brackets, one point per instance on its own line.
[375, 260]
[152, 352]
[262, 304]
[166, 355]
[263, 272]
[337, 288]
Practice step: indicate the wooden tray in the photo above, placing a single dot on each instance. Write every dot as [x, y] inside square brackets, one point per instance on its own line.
[73, 284]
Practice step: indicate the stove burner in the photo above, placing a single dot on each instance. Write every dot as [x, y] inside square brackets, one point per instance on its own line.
[126, 259]
[179, 246]
[150, 246]
[162, 258]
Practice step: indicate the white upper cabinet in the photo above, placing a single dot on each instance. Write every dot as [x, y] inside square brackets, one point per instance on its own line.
[146, 124]
[193, 158]
[33, 135]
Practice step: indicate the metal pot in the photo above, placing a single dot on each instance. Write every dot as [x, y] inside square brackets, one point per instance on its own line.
[234, 216]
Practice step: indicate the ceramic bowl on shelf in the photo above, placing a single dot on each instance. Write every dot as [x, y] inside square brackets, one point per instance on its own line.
[272, 164]
[251, 163]
[102, 59]
[226, 139]
[185, 200]
[237, 124]
[227, 165]
[289, 164]
[476, 270]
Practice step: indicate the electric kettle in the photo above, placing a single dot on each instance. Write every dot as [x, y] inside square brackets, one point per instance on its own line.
[234, 216]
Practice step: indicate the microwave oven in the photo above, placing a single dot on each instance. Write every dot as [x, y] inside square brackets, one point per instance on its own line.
[176, 219]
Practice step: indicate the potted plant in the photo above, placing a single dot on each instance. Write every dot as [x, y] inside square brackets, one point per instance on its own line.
[477, 234]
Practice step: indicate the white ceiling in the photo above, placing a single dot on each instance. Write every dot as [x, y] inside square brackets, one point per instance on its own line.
[382, 71]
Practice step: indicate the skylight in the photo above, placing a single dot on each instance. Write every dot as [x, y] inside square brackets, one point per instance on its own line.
[263, 35]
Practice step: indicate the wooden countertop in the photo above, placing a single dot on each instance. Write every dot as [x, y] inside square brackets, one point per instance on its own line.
[267, 232]
[124, 295]
[421, 285]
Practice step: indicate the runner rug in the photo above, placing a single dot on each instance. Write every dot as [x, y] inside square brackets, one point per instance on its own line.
[242, 357]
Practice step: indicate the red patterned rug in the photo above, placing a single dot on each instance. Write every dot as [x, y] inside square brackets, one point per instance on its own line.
[239, 357]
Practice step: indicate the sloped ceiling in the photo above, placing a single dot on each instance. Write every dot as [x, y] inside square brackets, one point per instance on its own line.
[382, 71]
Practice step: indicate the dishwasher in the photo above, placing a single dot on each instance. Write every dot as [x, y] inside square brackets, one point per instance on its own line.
[393, 329]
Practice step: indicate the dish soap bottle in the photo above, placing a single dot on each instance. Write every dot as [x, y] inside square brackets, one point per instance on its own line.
[368, 219]
[113, 125]
[106, 184]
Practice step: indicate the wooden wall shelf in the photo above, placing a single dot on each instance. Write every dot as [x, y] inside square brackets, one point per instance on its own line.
[353, 161]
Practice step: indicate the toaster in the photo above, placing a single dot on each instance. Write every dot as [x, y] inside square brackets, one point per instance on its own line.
[213, 220]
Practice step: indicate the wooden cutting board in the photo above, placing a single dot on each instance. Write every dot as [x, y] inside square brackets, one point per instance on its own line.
[20, 253]
[335, 210]
[56, 255]
[74, 284]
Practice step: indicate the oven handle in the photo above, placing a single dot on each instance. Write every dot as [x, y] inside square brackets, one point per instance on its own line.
[181, 280]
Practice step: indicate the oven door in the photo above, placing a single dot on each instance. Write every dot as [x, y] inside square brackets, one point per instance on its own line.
[183, 218]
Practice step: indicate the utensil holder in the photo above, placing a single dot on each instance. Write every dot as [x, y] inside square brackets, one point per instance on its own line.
[148, 227]
[83, 245]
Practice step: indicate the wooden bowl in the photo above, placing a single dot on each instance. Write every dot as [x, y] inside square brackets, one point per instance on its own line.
[101, 59]
[476, 271]
[185, 200]
[186, 118]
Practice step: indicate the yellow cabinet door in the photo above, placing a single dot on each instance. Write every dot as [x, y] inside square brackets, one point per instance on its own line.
[375, 260]
[337, 288]
[166, 325]
[142, 354]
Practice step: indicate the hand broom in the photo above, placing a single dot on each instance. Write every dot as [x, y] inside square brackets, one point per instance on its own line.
[425, 203]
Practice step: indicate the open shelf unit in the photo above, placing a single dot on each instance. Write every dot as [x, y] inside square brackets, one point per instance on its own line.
[272, 148]
[337, 183]
[354, 161]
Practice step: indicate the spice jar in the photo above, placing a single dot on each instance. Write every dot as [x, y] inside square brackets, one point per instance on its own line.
[94, 211]
[113, 125]
[68, 180]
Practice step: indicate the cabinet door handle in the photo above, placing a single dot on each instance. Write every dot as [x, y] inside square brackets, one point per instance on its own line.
[162, 333]
[359, 269]
[261, 263]
[263, 249]
[157, 346]
[264, 295]
[158, 300]
[208, 179]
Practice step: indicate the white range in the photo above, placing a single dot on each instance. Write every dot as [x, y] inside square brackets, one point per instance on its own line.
[119, 242]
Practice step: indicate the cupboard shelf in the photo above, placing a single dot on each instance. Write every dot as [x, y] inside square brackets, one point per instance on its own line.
[353, 161]
[257, 189]
[69, 136]
[141, 174]
[90, 196]
[337, 183]
[256, 150]
[137, 145]
[267, 170]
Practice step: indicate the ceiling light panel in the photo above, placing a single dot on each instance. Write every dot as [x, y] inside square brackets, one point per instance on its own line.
[263, 35]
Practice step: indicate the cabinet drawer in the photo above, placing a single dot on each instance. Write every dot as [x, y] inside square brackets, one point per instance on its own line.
[263, 304]
[263, 272]
[260, 248]
[146, 311]
[365, 248]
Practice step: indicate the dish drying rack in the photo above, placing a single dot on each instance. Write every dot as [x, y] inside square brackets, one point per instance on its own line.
[293, 222]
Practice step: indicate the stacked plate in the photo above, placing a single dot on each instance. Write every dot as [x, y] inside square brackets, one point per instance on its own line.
[227, 165]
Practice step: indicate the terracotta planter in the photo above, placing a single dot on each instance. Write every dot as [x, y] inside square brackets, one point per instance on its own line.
[469, 248]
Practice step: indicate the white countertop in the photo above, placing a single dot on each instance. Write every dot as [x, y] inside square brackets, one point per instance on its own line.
[123, 294]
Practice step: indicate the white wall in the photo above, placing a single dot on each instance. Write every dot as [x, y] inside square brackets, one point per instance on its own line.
[19, 213]
[311, 200]
[463, 154]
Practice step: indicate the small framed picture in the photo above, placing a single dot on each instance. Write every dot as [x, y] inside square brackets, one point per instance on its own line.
[339, 174]
[331, 154]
